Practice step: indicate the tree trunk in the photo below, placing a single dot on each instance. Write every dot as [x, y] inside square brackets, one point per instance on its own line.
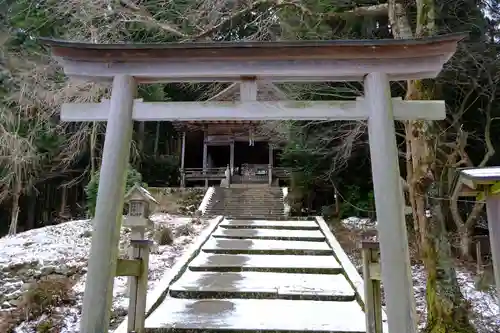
[465, 242]
[337, 203]
[157, 139]
[141, 134]
[93, 139]
[15, 208]
[62, 208]
[447, 310]
[464, 228]
[31, 211]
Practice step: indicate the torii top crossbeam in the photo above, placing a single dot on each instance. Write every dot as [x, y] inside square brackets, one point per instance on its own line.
[299, 61]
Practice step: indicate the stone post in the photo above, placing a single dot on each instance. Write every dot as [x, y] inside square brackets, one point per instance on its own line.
[373, 292]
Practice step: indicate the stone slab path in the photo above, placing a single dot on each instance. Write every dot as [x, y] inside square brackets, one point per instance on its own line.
[261, 276]
[300, 235]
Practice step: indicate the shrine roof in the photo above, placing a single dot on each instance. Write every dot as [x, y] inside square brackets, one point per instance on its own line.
[471, 181]
[487, 174]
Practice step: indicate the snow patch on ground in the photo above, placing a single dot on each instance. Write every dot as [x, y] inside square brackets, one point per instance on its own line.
[63, 250]
[356, 223]
[484, 304]
[60, 243]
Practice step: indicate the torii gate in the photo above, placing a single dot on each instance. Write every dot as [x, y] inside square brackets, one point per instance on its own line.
[376, 62]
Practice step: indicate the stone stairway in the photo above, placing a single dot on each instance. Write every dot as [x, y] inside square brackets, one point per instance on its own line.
[262, 276]
[252, 202]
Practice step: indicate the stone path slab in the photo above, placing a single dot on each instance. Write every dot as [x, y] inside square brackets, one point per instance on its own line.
[263, 285]
[304, 235]
[261, 276]
[242, 315]
[261, 262]
[269, 224]
[246, 246]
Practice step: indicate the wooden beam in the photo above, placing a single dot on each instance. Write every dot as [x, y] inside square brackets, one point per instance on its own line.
[282, 110]
[265, 70]
[108, 217]
[128, 267]
[248, 90]
[389, 204]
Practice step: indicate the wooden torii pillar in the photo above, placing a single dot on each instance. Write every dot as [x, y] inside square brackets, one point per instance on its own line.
[376, 62]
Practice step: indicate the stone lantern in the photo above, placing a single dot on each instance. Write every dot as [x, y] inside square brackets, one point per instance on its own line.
[140, 206]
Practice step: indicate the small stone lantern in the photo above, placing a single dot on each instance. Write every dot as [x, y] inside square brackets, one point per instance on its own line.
[140, 205]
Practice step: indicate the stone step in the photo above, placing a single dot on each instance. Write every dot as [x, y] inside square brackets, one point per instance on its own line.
[248, 212]
[253, 206]
[262, 276]
[256, 315]
[244, 206]
[304, 235]
[267, 263]
[260, 216]
[269, 224]
[254, 202]
[256, 216]
[249, 209]
[249, 194]
[248, 198]
[252, 199]
[261, 246]
[247, 202]
[319, 287]
[254, 195]
[250, 215]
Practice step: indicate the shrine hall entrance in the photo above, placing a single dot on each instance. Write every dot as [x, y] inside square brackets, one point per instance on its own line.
[257, 153]
[244, 154]
[218, 156]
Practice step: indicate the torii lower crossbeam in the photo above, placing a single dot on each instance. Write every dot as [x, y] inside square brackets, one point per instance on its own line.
[282, 110]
